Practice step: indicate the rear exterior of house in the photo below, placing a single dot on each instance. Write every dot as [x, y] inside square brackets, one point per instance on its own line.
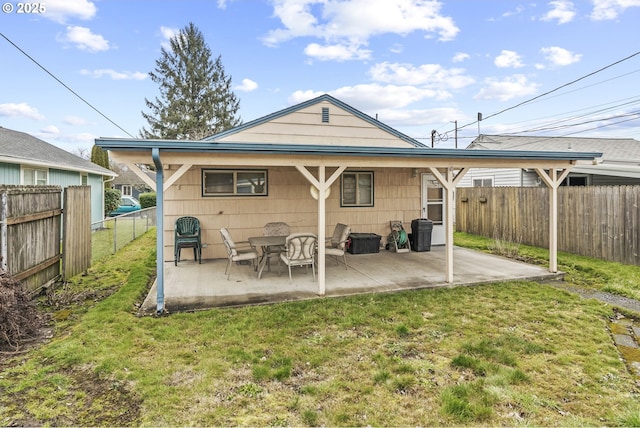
[314, 165]
[243, 199]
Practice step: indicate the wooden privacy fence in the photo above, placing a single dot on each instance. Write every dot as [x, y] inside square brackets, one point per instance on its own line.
[76, 242]
[595, 221]
[30, 233]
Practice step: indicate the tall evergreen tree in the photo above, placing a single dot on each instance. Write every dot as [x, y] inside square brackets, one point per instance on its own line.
[99, 156]
[196, 99]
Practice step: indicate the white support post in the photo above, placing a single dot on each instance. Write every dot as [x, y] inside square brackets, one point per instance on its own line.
[322, 191]
[553, 228]
[449, 182]
[553, 181]
[322, 185]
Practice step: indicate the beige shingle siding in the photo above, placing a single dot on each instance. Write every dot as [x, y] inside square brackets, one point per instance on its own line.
[305, 126]
[397, 196]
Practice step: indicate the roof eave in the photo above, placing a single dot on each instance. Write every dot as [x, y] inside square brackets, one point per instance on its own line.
[298, 149]
[44, 164]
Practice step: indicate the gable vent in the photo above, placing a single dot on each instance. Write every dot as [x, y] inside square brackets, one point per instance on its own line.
[325, 114]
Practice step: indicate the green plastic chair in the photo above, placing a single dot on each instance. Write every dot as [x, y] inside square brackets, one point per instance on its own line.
[187, 235]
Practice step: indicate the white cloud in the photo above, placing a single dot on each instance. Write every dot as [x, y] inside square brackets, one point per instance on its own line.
[23, 110]
[168, 33]
[114, 75]
[84, 39]
[418, 117]
[396, 48]
[460, 56]
[83, 137]
[562, 10]
[248, 85]
[431, 75]
[336, 52]
[559, 56]
[517, 11]
[506, 89]
[351, 23]
[66, 141]
[374, 96]
[51, 131]
[74, 121]
[508, 59]
[61, 10]
[610, 9]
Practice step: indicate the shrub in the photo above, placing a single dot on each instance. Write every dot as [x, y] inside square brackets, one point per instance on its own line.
[147, 199]
[111, 200]
[19, 318]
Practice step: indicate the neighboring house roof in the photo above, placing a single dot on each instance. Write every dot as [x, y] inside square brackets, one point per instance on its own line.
[620, 156]
[21, 148]
[273, 117]
[126, 176]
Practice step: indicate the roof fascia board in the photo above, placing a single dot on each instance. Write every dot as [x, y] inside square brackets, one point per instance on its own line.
[242, 160]
[257, 149]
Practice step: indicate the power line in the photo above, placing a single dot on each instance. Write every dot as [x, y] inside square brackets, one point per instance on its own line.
[553, 90]
[66, 87]
[543, 126]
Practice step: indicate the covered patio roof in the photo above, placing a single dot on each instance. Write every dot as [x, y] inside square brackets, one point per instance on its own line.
[328, 162]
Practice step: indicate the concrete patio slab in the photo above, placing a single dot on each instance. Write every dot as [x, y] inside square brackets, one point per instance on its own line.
[192, 286]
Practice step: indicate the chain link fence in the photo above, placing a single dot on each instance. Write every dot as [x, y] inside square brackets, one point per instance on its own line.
[113, 233]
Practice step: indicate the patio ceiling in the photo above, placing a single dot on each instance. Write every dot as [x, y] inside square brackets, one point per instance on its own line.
[447, 165]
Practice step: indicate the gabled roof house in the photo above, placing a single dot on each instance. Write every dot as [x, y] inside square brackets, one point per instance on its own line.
[619, 165]
[25, 159]
[313, 165]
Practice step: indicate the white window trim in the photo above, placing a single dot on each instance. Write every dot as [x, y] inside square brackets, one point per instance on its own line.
[36, 169]
[482, 177]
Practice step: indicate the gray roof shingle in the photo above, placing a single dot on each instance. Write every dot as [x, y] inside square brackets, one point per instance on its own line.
[25, 149]
[612, 149]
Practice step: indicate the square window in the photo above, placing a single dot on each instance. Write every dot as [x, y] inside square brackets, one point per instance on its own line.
[228, 182]
[357, 189]
[483, 182]
[32, 176]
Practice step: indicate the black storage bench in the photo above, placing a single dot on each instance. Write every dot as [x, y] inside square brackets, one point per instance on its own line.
[363, 243]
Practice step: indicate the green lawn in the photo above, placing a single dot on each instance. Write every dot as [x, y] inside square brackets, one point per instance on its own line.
[518, 353]
[582, 271]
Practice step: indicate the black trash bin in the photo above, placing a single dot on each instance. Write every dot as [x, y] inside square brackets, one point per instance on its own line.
[421, 233]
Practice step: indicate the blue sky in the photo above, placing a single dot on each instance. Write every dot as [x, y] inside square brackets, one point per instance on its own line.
[417, 65]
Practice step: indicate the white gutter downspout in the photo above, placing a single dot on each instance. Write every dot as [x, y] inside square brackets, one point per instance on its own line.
[155, 155]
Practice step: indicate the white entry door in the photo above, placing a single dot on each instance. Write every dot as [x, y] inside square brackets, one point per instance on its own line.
[433, 207]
